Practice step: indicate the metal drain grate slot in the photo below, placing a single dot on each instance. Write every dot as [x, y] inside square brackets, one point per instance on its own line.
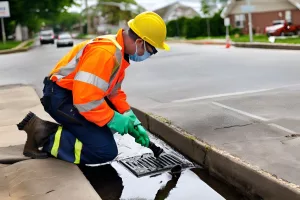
[151, 161]
[168, 162]
[157, 164]
[173, 159]
[148, 164]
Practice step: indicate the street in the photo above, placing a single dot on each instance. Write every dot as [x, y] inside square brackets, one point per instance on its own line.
[187, 71]
[226, 97]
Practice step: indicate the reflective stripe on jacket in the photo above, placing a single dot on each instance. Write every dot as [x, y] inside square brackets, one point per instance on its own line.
[93, 70]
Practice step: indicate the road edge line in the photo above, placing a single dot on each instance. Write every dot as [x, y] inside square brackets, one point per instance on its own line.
[250, 180]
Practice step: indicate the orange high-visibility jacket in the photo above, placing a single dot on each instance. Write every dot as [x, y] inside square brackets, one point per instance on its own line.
[93, 70]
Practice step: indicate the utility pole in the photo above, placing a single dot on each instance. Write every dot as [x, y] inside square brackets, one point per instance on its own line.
[3, 31]
[5, 12]
[88, 17]
[250, 20]
[176, 13]
[208, 26]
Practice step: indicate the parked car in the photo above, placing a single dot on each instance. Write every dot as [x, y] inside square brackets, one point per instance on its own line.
[64, 39]
[46, 36]
[282, 28]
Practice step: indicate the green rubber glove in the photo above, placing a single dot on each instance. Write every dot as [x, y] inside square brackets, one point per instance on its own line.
[133, 117]
[121, 124]
[142, 138]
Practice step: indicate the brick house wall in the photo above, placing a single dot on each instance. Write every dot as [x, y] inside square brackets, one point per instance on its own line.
[261, 20]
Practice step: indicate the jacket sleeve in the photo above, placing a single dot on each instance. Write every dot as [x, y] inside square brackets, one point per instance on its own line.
[118, 97]
[90, 84]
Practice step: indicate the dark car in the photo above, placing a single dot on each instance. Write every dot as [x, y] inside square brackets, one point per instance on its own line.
[46, 36]
[64, 39]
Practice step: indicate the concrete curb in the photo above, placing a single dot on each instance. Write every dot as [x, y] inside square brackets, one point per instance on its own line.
[12, 154]
[44, 179]
[267, 45]
[252, 181]
[20, 48]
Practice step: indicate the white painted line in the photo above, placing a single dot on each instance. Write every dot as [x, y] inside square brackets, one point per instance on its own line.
[241, 112]
[283, 128]
[255, 117]
[230, 94]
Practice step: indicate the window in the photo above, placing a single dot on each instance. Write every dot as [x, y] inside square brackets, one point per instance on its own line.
[239, 21]
[288, 16]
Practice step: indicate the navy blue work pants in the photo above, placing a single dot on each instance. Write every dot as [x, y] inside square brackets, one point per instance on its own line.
[77, 140]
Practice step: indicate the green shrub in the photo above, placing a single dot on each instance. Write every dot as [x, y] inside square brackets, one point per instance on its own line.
[196, 27]
[176, 27]
[233, 31]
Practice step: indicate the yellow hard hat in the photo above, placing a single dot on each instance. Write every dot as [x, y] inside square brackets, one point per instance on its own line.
[150, 27]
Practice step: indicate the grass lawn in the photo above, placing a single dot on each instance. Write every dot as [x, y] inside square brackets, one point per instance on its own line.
[256, 38]
[29, 44]
[289, 40]
[263, 38]
[245, 38]
[9, 45]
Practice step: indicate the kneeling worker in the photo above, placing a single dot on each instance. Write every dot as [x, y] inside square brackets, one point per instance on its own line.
[83, 95]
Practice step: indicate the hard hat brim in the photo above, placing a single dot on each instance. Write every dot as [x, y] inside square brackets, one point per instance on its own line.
[166, 47]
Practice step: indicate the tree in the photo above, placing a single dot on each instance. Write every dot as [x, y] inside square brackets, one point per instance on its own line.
[33, 12]
[116, 10]
[205, 8]
[67, 20]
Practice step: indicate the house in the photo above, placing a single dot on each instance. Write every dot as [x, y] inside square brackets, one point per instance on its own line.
[176, 10]
[263, 14]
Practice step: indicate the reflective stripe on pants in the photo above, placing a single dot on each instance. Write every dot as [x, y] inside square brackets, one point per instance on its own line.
[56, 143]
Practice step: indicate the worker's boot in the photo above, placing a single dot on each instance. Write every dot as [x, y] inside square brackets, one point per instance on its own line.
[38, 133]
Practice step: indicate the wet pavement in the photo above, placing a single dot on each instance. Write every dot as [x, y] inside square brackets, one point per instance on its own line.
[113, 181]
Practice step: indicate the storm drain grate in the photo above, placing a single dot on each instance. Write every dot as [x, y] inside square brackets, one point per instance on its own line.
[147, 164]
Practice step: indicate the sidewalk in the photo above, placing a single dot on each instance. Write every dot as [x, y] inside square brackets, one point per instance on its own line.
[24, 179]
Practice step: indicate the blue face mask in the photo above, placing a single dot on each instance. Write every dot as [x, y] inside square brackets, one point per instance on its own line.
[135, 57]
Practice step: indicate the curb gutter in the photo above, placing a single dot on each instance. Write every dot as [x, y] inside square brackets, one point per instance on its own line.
[20, 48]
[252, 181]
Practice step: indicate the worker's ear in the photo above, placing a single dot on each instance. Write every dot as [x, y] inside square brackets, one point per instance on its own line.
[139, 42]
[140, 46]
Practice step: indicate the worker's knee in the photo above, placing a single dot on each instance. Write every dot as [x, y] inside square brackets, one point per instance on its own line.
[113, 153]
[110, 154]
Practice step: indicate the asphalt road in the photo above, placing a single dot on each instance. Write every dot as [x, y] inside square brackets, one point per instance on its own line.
[244, 101]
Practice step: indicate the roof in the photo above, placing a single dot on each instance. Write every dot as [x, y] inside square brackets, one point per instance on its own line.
[234, 6]
[175, 10]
